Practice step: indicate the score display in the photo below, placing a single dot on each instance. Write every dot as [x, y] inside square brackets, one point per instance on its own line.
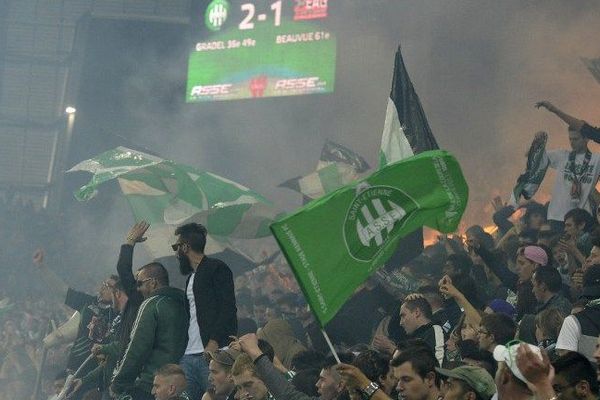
[261, 49]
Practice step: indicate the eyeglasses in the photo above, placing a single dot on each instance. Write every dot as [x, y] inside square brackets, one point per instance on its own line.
[140, 283]
[177, 245]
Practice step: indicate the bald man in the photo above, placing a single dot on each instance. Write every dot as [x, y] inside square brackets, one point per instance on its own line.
[169, 383]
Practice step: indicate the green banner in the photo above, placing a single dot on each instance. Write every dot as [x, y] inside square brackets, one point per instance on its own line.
[334, 244]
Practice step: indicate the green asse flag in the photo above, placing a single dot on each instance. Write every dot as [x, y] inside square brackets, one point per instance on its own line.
[167, 194]
[333, 244]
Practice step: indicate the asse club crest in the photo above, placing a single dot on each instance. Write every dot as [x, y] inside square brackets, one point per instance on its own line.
[373, 215]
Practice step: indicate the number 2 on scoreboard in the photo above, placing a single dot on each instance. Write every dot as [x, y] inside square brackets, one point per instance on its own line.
[250, 10]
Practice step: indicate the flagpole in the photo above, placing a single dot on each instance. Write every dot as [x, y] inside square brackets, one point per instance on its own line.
[330, 346]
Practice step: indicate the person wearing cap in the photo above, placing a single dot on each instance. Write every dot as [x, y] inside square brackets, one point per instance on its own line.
[511, 384]
[500, 306]
[219, 372]
[528, 259]
[467, 383]
[579, 332]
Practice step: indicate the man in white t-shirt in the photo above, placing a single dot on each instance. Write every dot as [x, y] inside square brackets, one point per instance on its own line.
[579, 331]
[577, 174]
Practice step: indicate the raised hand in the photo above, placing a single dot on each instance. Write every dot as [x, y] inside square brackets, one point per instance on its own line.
[249, 345]
[447, 288]
[136, 233]
[352, 376]
[545, 104]
[538, 371]
[384, 344]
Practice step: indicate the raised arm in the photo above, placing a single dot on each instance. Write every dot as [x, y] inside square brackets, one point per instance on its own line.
[506, 276]
[125, 263]
[57, 286]
[472, 316]
[568, 119]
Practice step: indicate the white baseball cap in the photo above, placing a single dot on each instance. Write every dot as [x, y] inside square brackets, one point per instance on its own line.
[508, 354]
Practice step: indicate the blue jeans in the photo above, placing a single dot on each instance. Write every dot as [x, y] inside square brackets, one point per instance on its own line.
[195, 368]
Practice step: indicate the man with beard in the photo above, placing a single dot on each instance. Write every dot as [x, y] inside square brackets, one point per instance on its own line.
[211, 298]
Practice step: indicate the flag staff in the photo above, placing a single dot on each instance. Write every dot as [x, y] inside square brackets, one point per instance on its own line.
[330, 346]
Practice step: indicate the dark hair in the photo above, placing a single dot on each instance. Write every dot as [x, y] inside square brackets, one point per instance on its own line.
[422, 304]
[575, 367]
[485, 239]
[500, 325]
[246, 325]
[591, 277]
[528, 235]
[469, 349]
[306, 380]
[194, 235]
[581, 216]
[373, 364]
[157, 271]
[423, 362]
[549, 276]
[461, 262]
[307, 359]
[595, 236]
[532, 209]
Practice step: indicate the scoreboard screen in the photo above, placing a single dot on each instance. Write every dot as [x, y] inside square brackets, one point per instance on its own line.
[252, 49]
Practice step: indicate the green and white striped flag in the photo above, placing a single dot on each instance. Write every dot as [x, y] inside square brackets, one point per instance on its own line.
[324, 180]
[406, 131]
[167, 194]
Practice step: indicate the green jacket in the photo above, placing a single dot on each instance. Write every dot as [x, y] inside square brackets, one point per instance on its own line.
[158, 337]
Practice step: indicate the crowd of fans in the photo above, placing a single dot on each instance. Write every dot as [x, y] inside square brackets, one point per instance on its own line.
[507, 313]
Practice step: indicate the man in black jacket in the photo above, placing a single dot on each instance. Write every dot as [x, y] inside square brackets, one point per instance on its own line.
[211, 298]
[415, 318]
